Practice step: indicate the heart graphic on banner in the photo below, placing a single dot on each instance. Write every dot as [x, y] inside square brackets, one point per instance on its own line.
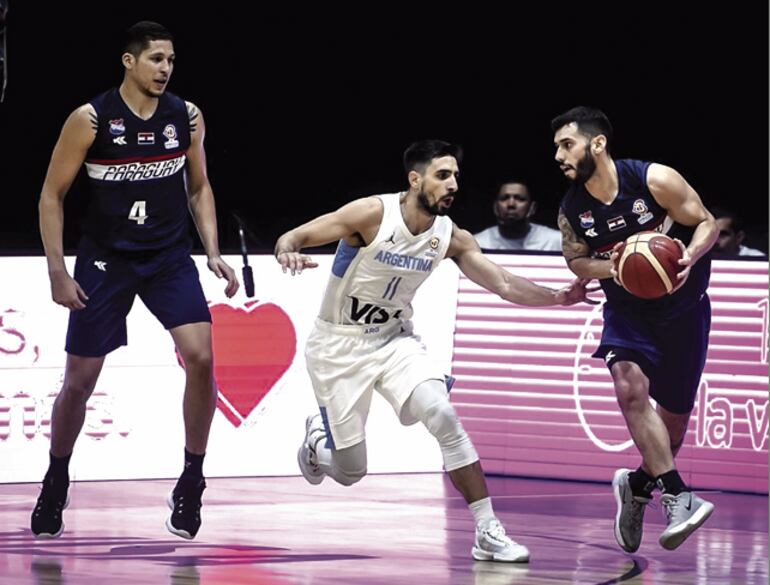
[253, 348]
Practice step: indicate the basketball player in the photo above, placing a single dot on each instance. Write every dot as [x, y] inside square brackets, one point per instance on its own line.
[363, 340]
[652, 347]
[143, 151]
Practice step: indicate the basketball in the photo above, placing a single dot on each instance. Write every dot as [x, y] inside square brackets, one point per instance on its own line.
[647, 264]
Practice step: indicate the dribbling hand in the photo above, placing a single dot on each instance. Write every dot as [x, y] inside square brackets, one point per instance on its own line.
[223, 270]
[66, 292]
[686, 261]
[615, 258]
[295, 262]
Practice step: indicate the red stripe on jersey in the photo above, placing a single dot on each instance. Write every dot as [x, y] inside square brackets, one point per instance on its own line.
[141, 159]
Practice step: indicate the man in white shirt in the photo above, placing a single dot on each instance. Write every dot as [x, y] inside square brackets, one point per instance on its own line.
[513, 209]
[731, 235]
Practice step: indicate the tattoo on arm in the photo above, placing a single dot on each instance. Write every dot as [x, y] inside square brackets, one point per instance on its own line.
[571, 245]
[192, 115]
[94, 121]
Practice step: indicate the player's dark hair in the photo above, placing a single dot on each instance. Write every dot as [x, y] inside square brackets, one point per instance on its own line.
[421, 153]
[590, 122]
[138, 37]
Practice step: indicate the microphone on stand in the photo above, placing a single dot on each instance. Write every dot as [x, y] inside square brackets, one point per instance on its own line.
[248, 275]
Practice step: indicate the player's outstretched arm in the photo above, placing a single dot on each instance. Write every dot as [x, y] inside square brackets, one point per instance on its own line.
[464, 250]
[578, 255]
[76, 138]
[357, 221]
[684, 206]
[201, 201]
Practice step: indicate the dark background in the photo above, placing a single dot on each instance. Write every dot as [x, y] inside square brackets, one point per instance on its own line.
[308, 108]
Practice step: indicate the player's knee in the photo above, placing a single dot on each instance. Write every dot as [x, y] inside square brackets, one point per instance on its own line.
[77, 390]
[631, 394]
[456, 447]
[348, 466]
[630, 399]
[199, 359]
[441, 421]
[347, 476]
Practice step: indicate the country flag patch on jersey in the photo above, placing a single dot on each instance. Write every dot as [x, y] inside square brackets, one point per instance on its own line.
[117, 127]
[616, 223]
[145, 138]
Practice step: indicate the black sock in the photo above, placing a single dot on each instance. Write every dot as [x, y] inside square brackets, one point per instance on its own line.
[671, 483]
[642, 483]
[193, 465]
[58, 469]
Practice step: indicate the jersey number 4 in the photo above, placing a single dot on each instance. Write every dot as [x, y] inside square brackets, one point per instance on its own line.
[138, 212]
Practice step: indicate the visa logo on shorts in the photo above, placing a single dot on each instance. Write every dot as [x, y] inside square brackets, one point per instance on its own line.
[404, 261]
[370, 313]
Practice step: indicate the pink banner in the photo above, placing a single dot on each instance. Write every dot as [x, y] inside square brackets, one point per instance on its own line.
[537, 404]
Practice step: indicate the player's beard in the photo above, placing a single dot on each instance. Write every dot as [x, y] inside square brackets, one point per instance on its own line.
[434, 209]
[150, 93]
[585, 167]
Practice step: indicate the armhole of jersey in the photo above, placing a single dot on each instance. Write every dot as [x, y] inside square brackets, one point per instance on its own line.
[387, 209]
[563, 209]
[446, 237]
[650, 193]
[94, 118]
[191, 121]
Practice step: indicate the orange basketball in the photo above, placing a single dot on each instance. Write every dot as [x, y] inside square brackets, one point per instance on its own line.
[647, 264]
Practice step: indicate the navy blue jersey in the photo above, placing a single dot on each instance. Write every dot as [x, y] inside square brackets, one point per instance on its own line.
[633, 210]
[138, 199]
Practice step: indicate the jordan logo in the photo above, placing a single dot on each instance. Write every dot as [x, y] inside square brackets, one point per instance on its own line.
[392, 238]
[610, 355]
[101, 265]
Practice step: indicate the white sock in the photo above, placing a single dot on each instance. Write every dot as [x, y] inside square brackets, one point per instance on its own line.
[482, 510]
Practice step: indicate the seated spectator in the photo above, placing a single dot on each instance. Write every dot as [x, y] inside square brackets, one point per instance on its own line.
[514, 231]
[731, 235]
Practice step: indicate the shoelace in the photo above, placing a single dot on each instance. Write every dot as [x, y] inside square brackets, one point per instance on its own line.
[495, 530]
[190, 492]
[55, 503]
[179, 508]
[55, 507]
[670, 505]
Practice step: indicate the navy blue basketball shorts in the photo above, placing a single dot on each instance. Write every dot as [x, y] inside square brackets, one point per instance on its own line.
[166, 281]
[671, 353]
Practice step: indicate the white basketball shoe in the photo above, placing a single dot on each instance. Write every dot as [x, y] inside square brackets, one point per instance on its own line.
[307, 457]
[492, 544]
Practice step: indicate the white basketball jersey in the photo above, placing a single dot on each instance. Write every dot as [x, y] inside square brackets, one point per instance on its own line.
[375, 284]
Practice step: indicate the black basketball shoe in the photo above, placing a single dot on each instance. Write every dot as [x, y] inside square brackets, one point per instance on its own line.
[185, 504]
[47, 520]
